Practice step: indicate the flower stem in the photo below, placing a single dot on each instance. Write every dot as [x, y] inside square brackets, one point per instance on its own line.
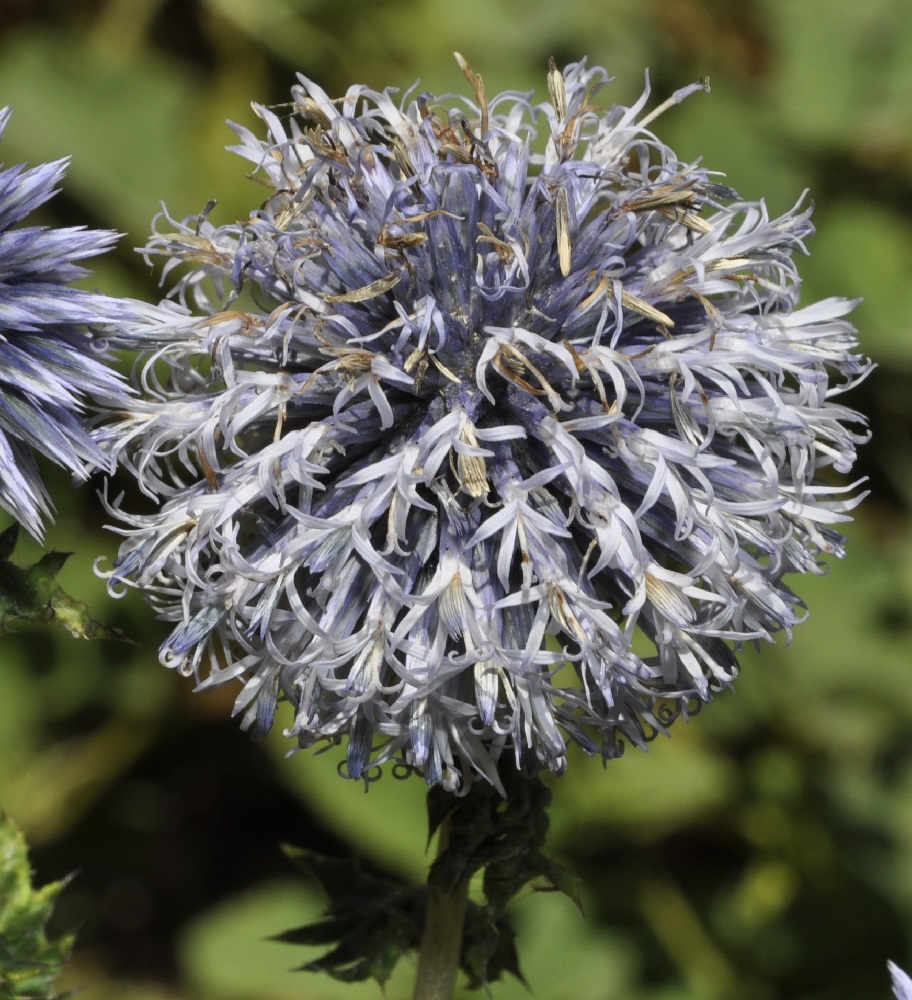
[441, 945]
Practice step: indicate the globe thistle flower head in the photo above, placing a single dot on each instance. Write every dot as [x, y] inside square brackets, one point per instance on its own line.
[468, 449]
[51, 362]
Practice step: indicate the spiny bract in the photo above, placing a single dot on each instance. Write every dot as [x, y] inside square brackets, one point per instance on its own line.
[467, 449]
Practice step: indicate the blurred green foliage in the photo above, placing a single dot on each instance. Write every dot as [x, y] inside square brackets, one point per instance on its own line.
[766, 850]
[29, 962]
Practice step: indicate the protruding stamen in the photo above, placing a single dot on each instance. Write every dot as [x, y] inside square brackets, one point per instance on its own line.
[676, 98]
[478, 84]
[371, 291]
[636, 305]
[557, 90]
[562, 224]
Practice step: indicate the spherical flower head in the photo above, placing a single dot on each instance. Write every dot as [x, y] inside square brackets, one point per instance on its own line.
[51, 353]
[495, 428]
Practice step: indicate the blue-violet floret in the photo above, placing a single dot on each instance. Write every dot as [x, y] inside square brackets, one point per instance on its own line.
[52, 363]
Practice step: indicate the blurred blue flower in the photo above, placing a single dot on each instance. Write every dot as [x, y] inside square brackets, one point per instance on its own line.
[902, 984]
[495, 427]
[51, 360]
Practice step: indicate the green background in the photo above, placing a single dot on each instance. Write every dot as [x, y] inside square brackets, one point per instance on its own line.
[766, 850]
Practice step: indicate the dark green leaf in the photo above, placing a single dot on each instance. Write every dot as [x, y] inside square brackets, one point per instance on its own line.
[372, 921]
[32, 594]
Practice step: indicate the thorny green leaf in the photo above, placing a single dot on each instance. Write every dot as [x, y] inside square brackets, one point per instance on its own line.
[33, 595]
[372, 922]
[29, 963]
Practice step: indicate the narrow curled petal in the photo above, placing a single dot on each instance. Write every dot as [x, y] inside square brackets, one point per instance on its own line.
[473, 441]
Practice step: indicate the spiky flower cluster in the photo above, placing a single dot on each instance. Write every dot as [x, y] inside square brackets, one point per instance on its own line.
[51, 365]
[466, 448]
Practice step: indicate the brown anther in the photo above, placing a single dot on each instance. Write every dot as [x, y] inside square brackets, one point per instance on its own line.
[600, 289]
[501, 246]
[557, 90]
[251, 325]
[280, 422]
[637, 305]
[472, 470]
[478, 84]
[512, 363]
[689, 220]
[371, 291]
[401, 156]
[208, 471]
[355, 362]
[308, 107]
[401, 241]
[442, 368]
[350, 364]
[417, 359]
[669, 600]
[288, 213]
[563, 612]
[458, 152]
[583, 366]
[418, 355]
